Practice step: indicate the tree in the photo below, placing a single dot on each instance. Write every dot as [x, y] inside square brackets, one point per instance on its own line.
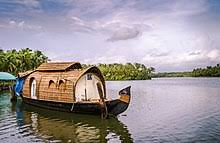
[126, 71]
[14, 61]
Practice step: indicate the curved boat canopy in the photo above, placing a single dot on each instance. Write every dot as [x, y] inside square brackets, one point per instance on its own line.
[4, 76]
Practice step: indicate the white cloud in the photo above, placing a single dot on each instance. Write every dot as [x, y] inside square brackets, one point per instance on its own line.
[115, 29]
[106, 59]
[124, 33]
[80, 25]
[214, 55]
[22, 25]
[195, 53]
[28, 3]
[183, 61]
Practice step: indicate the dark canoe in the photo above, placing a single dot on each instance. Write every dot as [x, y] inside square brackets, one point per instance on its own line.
[109, 107]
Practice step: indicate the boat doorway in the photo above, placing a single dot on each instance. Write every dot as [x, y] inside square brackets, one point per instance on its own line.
[86, 88]
[33, 89]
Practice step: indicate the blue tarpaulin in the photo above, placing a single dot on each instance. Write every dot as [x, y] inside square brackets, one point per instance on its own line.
[19, 86]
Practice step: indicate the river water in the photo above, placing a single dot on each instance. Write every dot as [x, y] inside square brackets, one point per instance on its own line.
[161, 110]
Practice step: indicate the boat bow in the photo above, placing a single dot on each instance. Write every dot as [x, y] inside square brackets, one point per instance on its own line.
[125, 94]
[116, 107]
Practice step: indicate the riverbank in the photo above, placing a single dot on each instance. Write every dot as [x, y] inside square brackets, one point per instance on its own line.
[2, 88]
[209, 71]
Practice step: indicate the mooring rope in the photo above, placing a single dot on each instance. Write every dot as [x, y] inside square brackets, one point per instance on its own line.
[72, 107]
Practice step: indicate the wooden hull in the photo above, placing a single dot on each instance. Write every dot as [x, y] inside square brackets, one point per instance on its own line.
[114, 107]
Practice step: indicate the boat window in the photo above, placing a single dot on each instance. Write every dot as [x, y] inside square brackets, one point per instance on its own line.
[52, 88]
[89, 76]
[61, 85]
[51, 84]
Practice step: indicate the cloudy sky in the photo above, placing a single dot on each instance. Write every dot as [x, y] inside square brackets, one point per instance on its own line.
[170, 35]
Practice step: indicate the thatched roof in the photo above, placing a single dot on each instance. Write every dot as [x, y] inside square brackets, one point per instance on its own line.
[59, 66]
[23, 74]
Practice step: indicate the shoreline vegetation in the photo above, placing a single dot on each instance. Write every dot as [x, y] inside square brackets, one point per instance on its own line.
[15, 61]
[128, 71]
[209, 71]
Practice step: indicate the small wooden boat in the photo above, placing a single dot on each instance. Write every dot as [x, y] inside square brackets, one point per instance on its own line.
[69, 87]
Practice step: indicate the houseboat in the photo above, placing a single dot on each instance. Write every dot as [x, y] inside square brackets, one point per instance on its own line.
[68, 87]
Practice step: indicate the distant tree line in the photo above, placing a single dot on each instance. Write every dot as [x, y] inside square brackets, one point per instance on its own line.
[209, 71]
[126, 71]
[14, 61]
[171, 74]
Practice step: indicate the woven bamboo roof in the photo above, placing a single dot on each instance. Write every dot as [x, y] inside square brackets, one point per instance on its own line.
[23, 74]
[59, 66]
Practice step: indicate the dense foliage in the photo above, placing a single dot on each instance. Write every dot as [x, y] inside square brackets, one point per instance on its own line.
[14, 61]
[209, 71]
[127, 71]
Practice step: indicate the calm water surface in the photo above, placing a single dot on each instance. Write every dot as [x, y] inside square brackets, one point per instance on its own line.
[161, 110]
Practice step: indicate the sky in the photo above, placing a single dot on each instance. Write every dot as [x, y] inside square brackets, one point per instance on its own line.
[169, 35]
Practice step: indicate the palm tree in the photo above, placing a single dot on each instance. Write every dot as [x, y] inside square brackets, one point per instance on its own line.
[18, 61]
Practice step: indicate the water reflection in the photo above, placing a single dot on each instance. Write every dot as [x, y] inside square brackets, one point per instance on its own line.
[161, 110]
[48, 125]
